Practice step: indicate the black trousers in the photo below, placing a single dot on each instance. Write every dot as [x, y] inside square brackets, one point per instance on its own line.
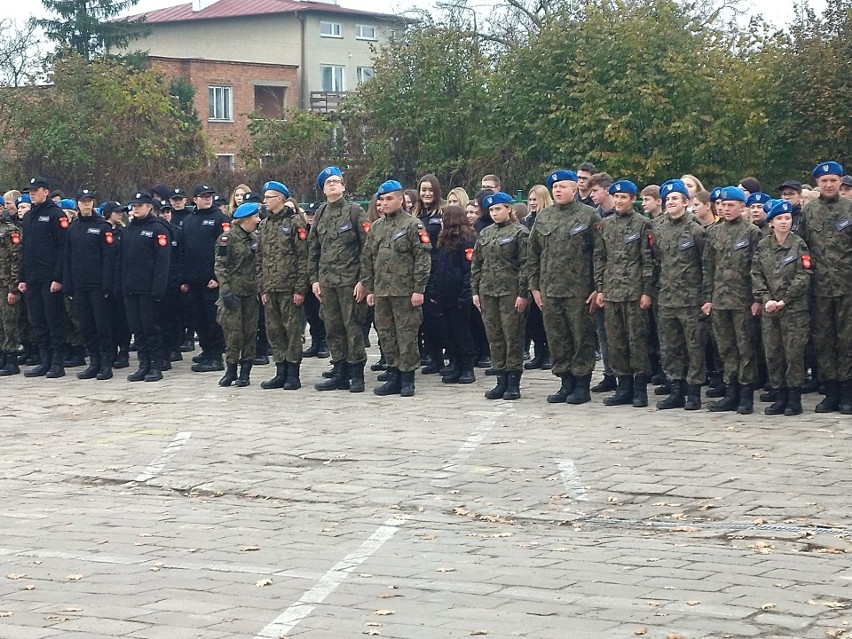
[47, 316]
[535, 328]
[202, 303]
[118, 320]
[481, 347]
[143, 320]
[93, 313]
[312, 315]
[171, 321]
[433, 329]
[455, 318]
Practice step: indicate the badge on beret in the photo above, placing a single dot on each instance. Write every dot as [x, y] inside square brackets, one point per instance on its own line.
[162, 240]
[108, 237]
[825, 168]
[303, 234]
[617, 187]
[468, 253]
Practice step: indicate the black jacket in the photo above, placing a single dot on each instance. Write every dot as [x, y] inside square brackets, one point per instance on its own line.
[145, 257]
[450, 281]
[200, 232]
[44, 230]
[89, 256]
[176, 265]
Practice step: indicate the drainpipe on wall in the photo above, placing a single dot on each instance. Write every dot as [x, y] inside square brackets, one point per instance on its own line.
[303, 98]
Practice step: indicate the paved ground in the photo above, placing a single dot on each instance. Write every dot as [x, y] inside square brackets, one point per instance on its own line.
[183, 510]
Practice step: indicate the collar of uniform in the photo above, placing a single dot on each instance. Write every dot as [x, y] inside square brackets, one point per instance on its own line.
[787, 243]
[568, 206]
[394, 214]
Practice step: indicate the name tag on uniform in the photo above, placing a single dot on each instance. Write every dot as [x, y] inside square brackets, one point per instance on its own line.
[789, 258]
[842, 224]
[578, 229]
[686, 244]
[208, 222]
[44, 218]
[174, 242]
[742, 244]
[434, 220]
[146, 233]
[345, 227]
[94, 231]
[505, 240]
[285, 230]
[253, 247]
[398, 234]
[629, 239]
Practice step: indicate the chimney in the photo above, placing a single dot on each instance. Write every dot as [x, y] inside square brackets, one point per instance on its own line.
[198, 5]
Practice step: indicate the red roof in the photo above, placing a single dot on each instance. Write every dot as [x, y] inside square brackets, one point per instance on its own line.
[237, 8]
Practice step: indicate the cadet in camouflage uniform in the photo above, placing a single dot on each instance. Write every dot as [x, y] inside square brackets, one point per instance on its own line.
[334, 259]
[826, 227]
[679, 243]
[780, 276]
[728, 294]
[282, 279]
[235, 269]
[395, 267]
[561, 248]
[624, 279]
[500, 292]
[10, 263]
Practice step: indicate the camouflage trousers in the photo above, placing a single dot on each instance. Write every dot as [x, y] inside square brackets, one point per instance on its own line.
[397, 323]
[683, 338]
[284, 327]
[239, 326]
[343, 318]
[734, 331]
[570, 334]
[832, 332]
[505, 329]
[9, 337]
[785, 336]
[627, 328]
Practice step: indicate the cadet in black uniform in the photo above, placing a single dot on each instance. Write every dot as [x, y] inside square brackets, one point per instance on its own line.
[113, 212]
[429, 210]
[171, 308]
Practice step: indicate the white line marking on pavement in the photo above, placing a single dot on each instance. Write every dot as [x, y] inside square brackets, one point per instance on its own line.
[571, 479]
[156, 467]
[474, 440]
[329, 582]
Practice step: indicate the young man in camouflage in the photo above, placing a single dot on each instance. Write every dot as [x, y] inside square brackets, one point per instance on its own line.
[236, 251]
[282, 279]
[395, 269]
[10, 262]
[624, 279]
[728, 296]
[335, 245]
[826, 227]
[562, 242]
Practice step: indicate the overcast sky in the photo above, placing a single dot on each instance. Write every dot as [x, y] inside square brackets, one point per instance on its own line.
[776, 11]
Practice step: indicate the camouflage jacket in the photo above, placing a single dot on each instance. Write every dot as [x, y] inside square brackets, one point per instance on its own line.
[826, 227]
[679, 246]
[727, 264]
[782, 272]
[282, 254]
[561, 249]
[624, 258]
[499, 261]
[236, 253]
[335, 244]
[395, 261]
[10, 256]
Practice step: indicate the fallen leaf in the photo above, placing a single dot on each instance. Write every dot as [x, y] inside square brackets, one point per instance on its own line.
[365, 575]
[6, 614]
[29, 587]
[446, 569]
[70, 609]
[478, 633]
[675, 635]
[693, 602]
[264, 582]
[249, 548]
[767, 606]
[384, 612]
[192, 550]
[371, 631]
[14, 575]
[641, 631]
[834, 633]
[74, 577]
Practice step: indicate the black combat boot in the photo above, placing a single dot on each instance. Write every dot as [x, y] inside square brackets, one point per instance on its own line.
[323, 351]
[717, 391]
[676, 399]
[846, 397]
[155, 370]
[105, 371]
[746, 404]
[566, 389]
[142, 371]
[356, 377]
[513, 385]
[230, 375]
[3, 356]
[830, 403]
[665, 388]
[312, 350]
[535, 362]
[392, 385]
[40, 369]
[91, 371]
[339, 379]
[201, 357]
[769, 396]
[175, 356]
[794, 402]
[580, 394]
[434, 366]
[640, 390]
[380, 365]
[260, 359]
[780, 404]
[122, 361]
[498, 391]
[624, 393]
[293, 382]
[451, 373]
[244, 378]
[467, 375]
[279, 379]
[693, 397]
[730, 401]
[406, 384]
[607, 384]
[546, 359]
[385, 375]
[210, 365]
[491, 372]
[76, 356]
[56, 368]
[187, 346]
[10, 367]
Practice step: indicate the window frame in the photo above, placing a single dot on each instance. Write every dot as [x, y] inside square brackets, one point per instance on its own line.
[360, 36]
[213, 102]
[342, 78]
[359, 74]
[335, 32]
[231, 161]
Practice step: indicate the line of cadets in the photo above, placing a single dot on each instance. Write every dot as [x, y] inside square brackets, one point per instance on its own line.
[642, 289]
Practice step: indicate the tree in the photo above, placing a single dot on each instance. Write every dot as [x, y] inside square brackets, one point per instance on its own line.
[19, 56]
[90, 27]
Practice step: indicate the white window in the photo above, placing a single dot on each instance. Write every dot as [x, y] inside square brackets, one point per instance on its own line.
[331, 30]
[332, 78]
[221, 104]
[365, 32]
[225, 161]
[365, 74]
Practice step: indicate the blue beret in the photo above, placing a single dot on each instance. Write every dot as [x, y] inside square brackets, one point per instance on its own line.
[272, 185]
[388, 186]
[246, 210]
[715, 194]
[780, 206]
[767, 206]
[559, 175]
[326, 173]
[674, 186]
[623, 186]
[733, 193]
[757, 198]
[24, 198]
[496, 198]
[68, 204]
[828, 168]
